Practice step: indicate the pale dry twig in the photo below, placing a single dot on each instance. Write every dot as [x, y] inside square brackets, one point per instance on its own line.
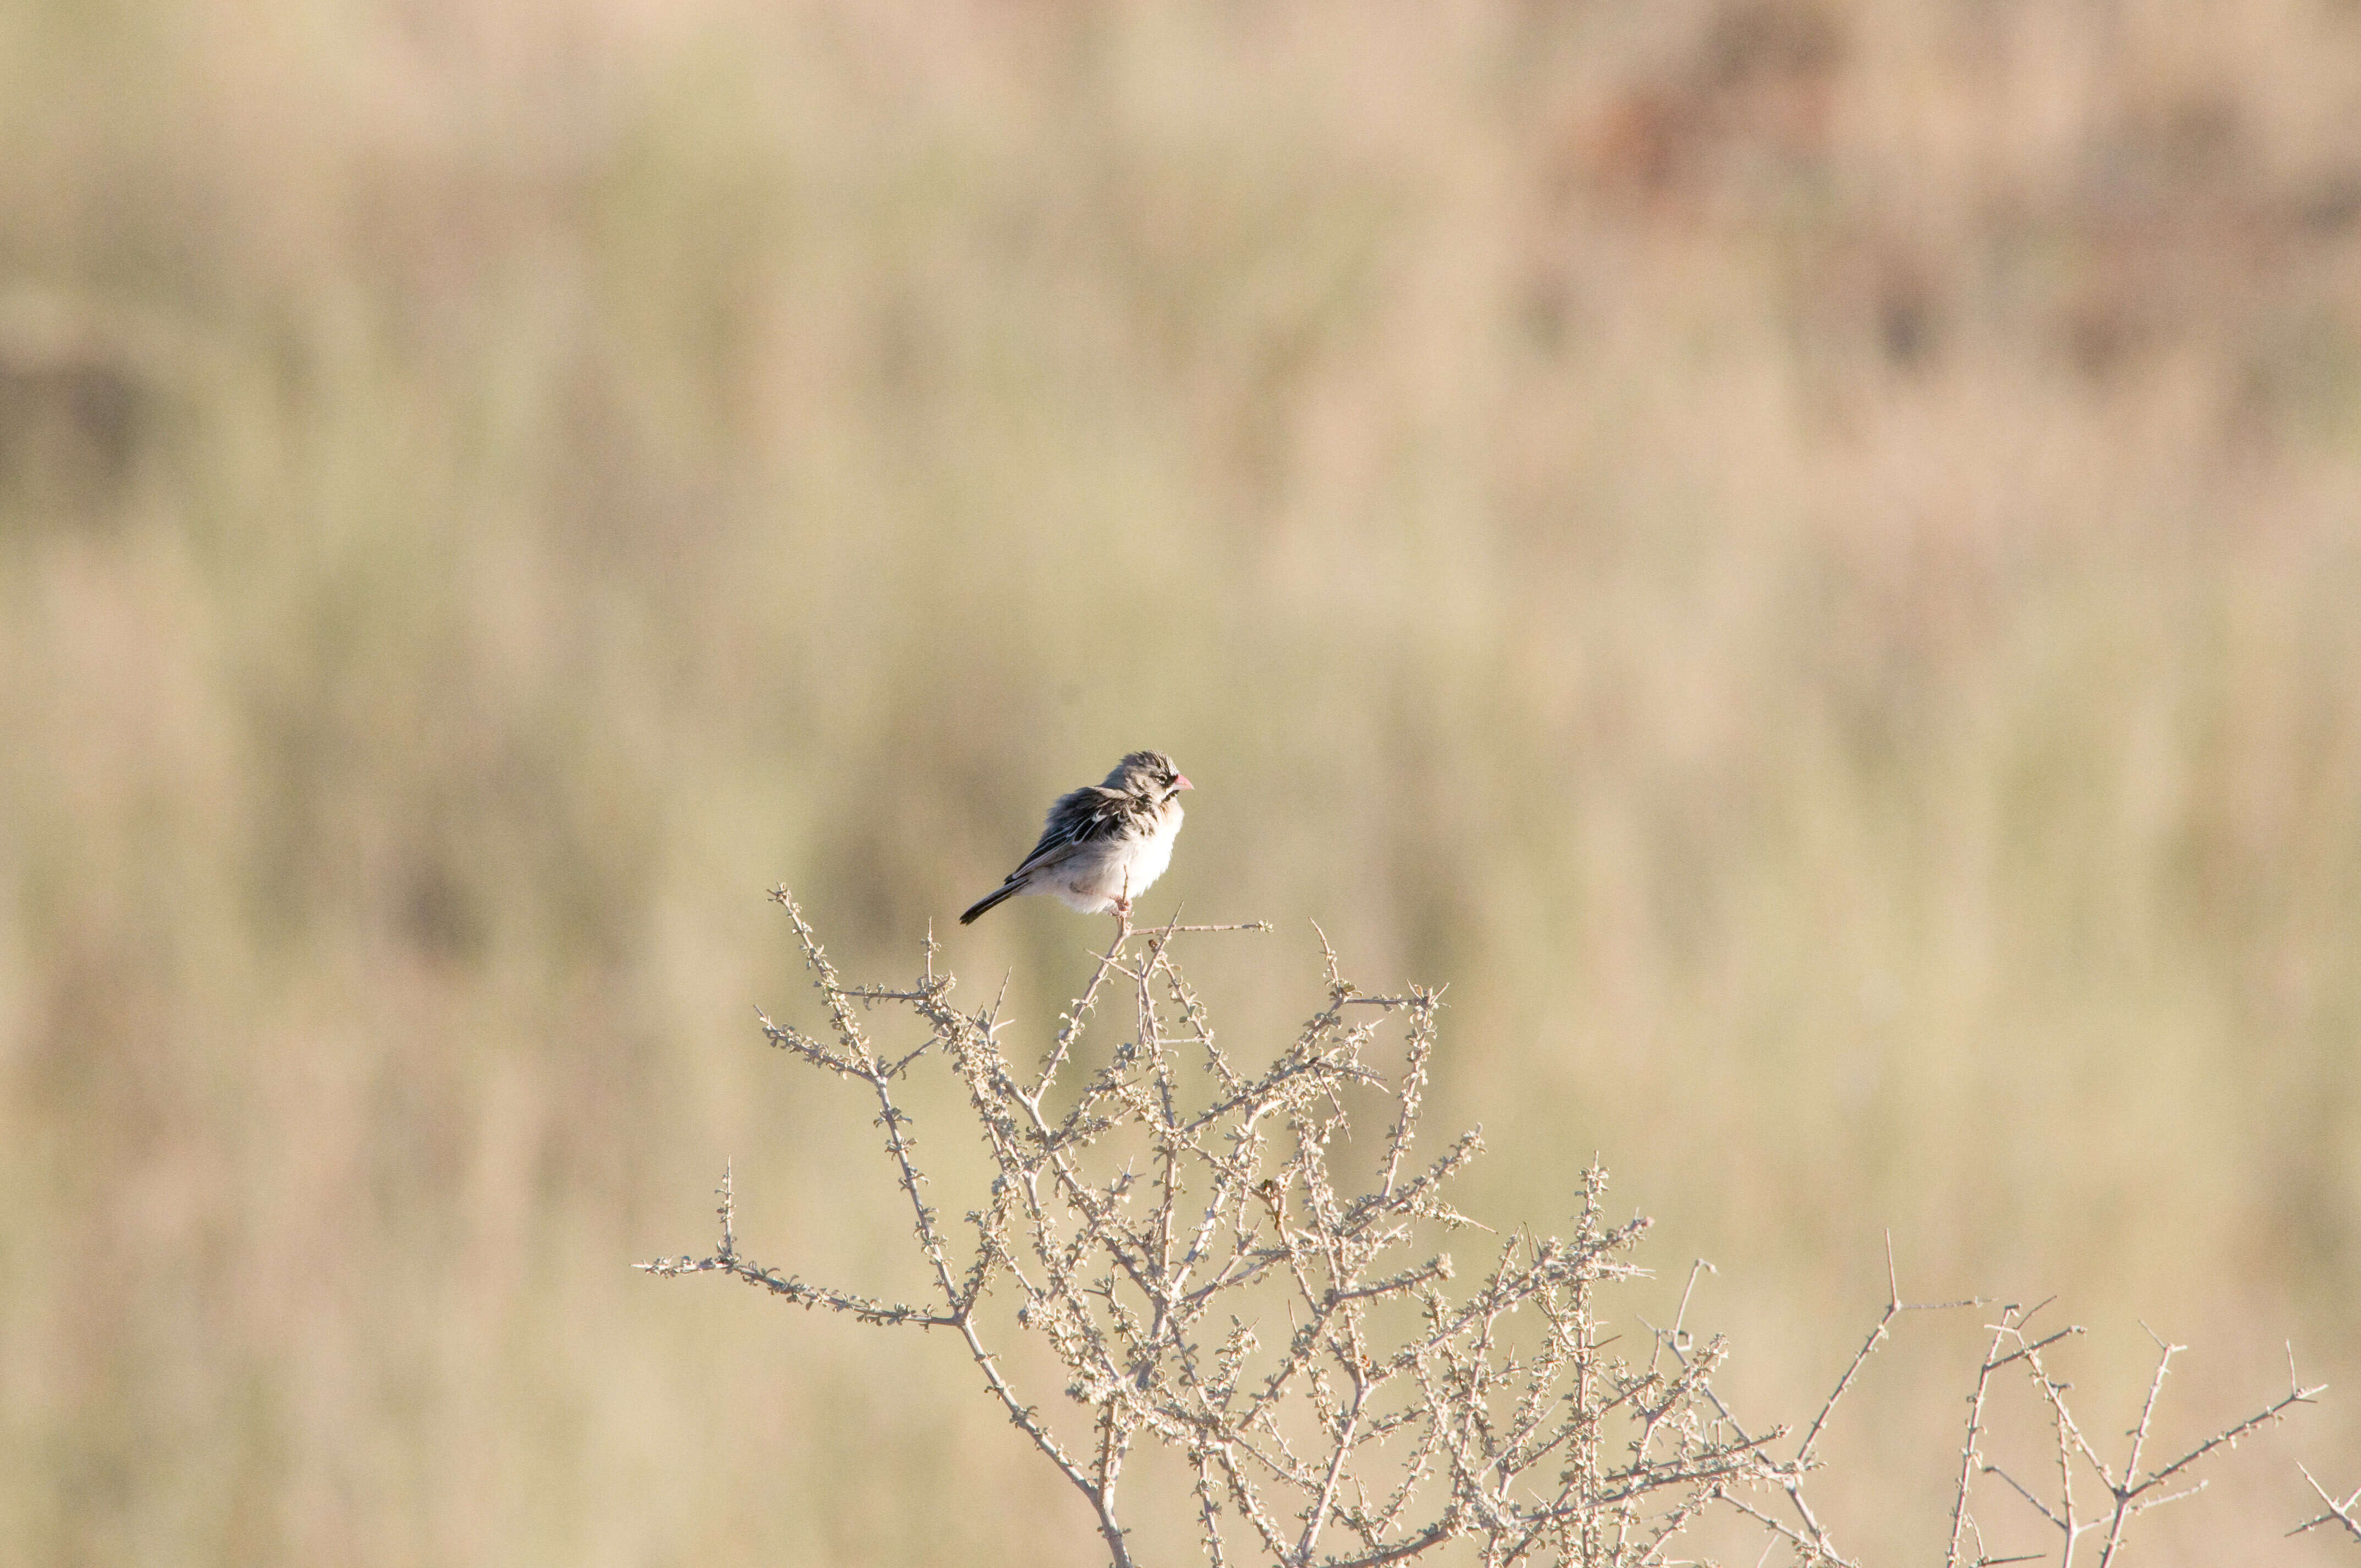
[1148, 1220]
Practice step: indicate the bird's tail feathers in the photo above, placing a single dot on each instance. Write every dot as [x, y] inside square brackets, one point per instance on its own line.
[1009, 890]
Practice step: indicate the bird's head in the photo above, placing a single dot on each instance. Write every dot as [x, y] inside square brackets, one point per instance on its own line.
[1150, 775]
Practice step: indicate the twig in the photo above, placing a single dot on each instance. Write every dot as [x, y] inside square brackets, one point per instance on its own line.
[2346, 1513]
[1189, 1245]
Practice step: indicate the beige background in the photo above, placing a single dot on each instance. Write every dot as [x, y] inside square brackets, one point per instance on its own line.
[1805, 561]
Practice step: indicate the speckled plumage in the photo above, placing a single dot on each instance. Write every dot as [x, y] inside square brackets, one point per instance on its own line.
[1104, 843]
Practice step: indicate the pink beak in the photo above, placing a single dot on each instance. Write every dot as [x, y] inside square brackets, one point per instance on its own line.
[1180, 781]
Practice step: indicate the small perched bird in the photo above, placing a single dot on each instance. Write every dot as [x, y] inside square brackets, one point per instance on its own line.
[1104, 843]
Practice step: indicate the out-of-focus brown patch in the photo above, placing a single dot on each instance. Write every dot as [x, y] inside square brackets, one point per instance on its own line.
[78, 404]
[1752, 94]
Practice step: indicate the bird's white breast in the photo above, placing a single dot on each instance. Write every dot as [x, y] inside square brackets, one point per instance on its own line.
[1155, 852]
[1101, 874]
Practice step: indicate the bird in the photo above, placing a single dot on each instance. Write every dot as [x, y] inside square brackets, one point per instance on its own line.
[1104, 843]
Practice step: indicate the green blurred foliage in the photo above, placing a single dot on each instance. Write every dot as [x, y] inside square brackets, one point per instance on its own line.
[1803, 559]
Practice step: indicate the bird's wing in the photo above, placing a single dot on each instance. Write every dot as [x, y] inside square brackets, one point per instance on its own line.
[1085, 816]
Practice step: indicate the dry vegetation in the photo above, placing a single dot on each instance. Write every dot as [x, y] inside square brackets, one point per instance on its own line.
[1155, 1228]
[1801, 556]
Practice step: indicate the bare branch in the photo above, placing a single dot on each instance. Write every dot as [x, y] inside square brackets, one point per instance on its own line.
[2346, 1513]
[1183, 1234]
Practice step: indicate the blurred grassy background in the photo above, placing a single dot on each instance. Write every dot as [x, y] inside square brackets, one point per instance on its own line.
[1806, 559]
